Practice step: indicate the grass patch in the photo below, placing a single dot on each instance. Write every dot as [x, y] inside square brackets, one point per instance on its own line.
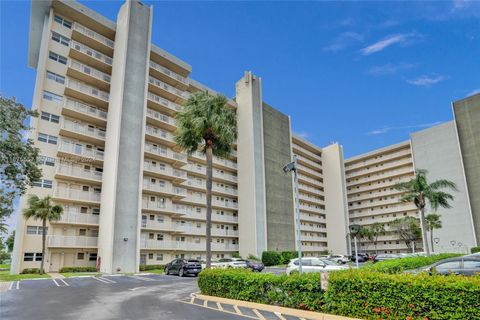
[79, 274]
[6, 276]
[4, 266]
[156, 271]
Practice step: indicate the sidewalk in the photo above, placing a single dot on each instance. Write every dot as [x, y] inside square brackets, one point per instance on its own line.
[55, 275]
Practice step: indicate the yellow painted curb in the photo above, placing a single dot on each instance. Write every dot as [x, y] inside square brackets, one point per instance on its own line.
[284, 311]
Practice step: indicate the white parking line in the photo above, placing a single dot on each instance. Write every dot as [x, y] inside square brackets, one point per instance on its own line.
[134, 289]
[66, 284]
[279, 315]
[18, 285]
[101, 280]
[108, 280]
[11, 285]
[55, 283]
[142, 278]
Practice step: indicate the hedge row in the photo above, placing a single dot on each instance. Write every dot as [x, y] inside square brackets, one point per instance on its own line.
[78, 269]
[301, 292]
[400, 265]
[30, 271]
[151, 267]
[354, 293]
[475, 250]
[273, 258]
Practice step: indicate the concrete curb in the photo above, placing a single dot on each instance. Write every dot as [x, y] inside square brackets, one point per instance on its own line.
[275, 309]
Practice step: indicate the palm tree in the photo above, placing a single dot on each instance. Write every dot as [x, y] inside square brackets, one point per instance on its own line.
[207, 125]
[376, 229]
[433, 222]
[419, 191]
[42, 209]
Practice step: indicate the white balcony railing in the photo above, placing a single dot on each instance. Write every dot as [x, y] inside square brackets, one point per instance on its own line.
[168, 72]
[167, 87]
[87, 89]
[72, 241]
[159, 133]
[80, 218]
[165, 170]
[165, 152]
[90, 52]
[75, 194]
[79, 149]
[164, 102]
[85, 108]
[92, 34]
[74, 64]
[78, 171]
[160, 116]
[82, 128]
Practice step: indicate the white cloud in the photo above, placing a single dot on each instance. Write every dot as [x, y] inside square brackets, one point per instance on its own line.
[417, 126]
[426, 81]
[302, 134]
[402, 39]
[473, 92]
[389, 68]
[460, 5]
[343, 41]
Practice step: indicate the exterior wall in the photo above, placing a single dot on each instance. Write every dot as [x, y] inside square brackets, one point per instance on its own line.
[278, 186]
[436, 149]
[467, 120]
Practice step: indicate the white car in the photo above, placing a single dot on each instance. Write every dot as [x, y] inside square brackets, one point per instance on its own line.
[339, 258]
[314, 265]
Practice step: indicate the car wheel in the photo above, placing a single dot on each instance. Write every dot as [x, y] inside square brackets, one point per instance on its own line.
[180, 273]
[167, 272]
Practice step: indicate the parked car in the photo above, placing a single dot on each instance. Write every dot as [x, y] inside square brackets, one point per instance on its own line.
[361, 257]
[256, 266]
[183, 267]
[313, 265]
[230, 263]
[466, 265]
[339, 258]
[385, 256]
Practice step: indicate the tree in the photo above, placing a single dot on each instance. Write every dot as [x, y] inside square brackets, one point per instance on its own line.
[207, 125]
[364, 233]
[408, 229]
[10, 241]
[44, 210]
[18, 156]
[419, 191]
[433, 222]
[376, 229]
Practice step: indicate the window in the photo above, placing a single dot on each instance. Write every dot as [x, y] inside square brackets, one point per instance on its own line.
[31, 256]
[471, 264]
[57, 37]
[92, 257]
[43, 183]
[63, 22]
[80, 256]
[58, 58]
[96, 211]
[44, 160]
[50, 117]
[150, 256]
[47, 95]
[55, 77]
[36, 230]
[161, 219]
[151, 236]
[82, 232]
[47, 138]
[448, 266]
[159, 256]
[160, 237]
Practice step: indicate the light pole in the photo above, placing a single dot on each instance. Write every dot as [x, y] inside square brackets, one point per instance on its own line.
[354, 230]
[436, 240]
[292, 167]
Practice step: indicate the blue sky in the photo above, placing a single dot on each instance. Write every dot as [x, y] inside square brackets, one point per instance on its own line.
[364, 74]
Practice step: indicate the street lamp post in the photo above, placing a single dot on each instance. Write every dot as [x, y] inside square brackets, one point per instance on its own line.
[292, 167]
[354, 230]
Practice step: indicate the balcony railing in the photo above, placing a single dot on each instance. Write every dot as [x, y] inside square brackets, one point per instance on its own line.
[84, 129]
[378, 159]
[168, 72]
[92, 34]
[72, 241]
[165, 152]
[87, 89]
[91, 52]
[85, 108]
[79, 218]
[217, 160]
[167, 87]
[79, 149]
[164, 102]
[74, 64]
[78, 171]
[159, 133]
[160, 116]
[312, 209]
[165, 170]
[155, 205]
[224, 175]
[75, 194]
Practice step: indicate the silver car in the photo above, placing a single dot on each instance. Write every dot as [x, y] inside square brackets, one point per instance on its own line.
[313, 265]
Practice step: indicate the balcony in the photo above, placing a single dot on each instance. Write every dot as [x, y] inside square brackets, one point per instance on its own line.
[165, 172]
[390, 210]
[381, 176]
[70, 171]
[202, 231]
[165, 154]
[158, 206]
[160, 120]
[351, 165]
[76, 195]
[379, 167]
[159, 135]
[57, 241]
[167, 91]
[311, 199]
[309, 172]
[82, 131]
[71, 217]
[310, 181]
[311, 190]
[84, 112]
[220, 176]
[67, 148]
[86, 93]
[313, 228]
[312, 218]
[218, 162]
[164, 105]
[298, 149]
[156, 225]
[93, 39]
[92, 57]
[88, 75]
[313, 248]
[313, 239]
[304, 207]
[190, 213]
[168, 76]
[307, 162]
[351, 191]
[166, 189]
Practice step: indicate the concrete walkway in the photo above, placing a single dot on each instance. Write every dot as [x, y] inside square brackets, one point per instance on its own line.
[55, 275]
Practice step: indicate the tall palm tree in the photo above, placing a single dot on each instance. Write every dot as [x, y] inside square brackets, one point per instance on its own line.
[42, 209]
[419, 191]
[207, 125]
[433, 222]
[376, 229]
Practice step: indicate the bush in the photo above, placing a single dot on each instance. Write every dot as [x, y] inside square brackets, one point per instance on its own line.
[400, 265]
[271, 258]
[78, 269]
[286, 256]
[373, 295]
[301, 292]
[252, 257]
[236, 255]
[152, 267]
[31, 271]
[475, 250]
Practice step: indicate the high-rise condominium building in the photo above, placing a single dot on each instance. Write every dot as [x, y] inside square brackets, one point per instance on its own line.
[107, 99]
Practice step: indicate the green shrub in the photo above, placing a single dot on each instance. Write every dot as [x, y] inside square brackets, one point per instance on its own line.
[78, 269]
[400, 265]
[301, 292]
[31, 271]
[286, 256]
[236, 255]
[252, 257]
[475, 250]
[152, 267]
[271, 258]
[373, 295]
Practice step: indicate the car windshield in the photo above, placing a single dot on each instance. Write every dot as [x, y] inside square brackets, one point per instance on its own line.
[193, 261]
[329, 263]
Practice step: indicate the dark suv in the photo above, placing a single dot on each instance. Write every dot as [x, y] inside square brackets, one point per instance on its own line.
[183, 267]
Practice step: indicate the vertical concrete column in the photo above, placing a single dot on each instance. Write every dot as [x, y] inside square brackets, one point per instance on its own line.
[119, 234]
[335, 198]
[251, 172]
